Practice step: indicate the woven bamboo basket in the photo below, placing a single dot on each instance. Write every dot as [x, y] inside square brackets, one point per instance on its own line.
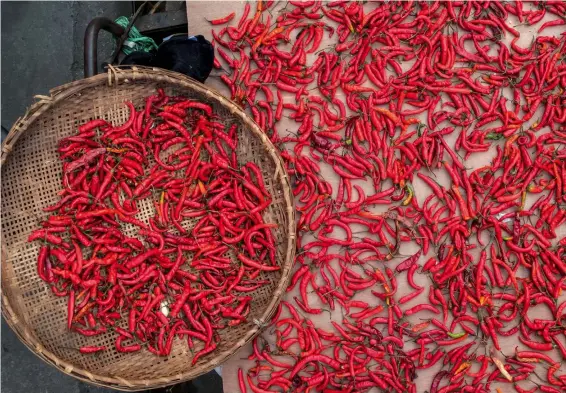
[30, 180]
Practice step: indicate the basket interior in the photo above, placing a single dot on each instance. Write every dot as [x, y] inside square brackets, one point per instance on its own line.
[31, 179]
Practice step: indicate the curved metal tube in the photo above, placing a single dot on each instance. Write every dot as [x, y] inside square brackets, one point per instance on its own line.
[91, 42]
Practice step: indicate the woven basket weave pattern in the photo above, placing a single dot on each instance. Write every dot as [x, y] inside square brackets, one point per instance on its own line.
[31, 172]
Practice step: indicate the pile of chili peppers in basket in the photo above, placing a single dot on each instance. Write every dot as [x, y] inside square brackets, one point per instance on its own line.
[187, 271]
[406, 97]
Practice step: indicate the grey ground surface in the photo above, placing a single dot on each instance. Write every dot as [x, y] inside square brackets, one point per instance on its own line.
[42, 47]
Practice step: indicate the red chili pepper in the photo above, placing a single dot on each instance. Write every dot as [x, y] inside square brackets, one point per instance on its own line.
[70, 309]
[224, 20]
[251, 263]
[93, 349]
[126, 349]
[86, 159]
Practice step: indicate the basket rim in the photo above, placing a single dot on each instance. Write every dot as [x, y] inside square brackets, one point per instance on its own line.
[115, 77]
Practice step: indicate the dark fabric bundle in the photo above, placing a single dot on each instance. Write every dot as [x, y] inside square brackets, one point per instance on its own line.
[139, 58]
[190, 56]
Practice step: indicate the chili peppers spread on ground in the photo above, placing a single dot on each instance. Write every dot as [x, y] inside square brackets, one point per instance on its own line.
[396, 109]
[176, 274]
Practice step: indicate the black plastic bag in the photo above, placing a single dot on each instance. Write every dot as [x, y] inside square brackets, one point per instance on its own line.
[192, 56]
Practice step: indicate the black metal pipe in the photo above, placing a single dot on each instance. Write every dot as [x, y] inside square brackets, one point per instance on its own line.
[91, 42]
